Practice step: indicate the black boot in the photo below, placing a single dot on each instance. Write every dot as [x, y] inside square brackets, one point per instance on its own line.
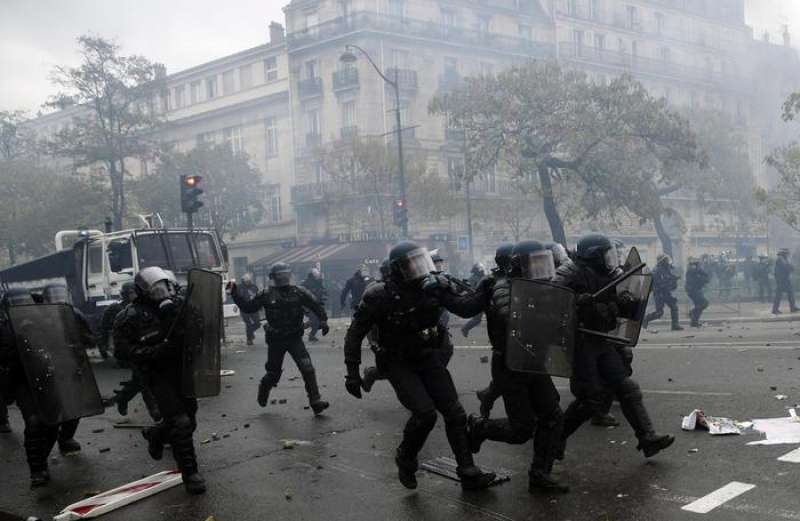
[264, 389]
[406, 467]
[635, 412]
[69, 446]
[472, 478]
[183, 451]
[155, 444]
[539, 481]
[487, 397]
[605, 420]
[476, 429]
[312, 390]
[40, 478]
[547, 444]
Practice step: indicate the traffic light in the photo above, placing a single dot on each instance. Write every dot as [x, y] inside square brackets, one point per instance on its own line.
[190, 193]
[400, 213]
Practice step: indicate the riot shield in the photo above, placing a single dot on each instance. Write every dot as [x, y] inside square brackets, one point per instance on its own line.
[202, 318]
[629, 322]
[541, 328]
[49, 338]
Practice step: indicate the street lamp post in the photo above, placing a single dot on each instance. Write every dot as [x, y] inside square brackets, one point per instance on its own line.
[349, 57]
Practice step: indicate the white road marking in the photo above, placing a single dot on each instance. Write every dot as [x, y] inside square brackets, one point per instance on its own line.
[791, 457]
[719, 497]
[782, 345]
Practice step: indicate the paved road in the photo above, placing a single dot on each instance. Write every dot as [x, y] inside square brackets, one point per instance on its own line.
[347, 471]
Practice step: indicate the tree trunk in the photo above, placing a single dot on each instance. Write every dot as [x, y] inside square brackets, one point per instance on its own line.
[123, 203]
[550, 208]
[115, 190]
[663, 236]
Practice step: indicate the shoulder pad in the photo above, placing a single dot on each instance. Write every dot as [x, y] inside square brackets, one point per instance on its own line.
[374, 292]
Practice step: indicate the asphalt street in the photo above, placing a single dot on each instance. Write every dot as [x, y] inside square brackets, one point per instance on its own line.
[343, 468]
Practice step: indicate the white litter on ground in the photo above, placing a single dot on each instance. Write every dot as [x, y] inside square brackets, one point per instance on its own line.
[778, 431]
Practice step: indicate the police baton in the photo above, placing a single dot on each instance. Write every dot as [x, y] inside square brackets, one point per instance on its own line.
[619, 280]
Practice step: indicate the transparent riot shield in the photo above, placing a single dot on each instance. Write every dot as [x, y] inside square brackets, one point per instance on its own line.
[202, 318]
[51, 343]
[541, 328]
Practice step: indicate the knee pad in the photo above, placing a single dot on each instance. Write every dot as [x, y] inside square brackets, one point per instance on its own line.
[628, 389]
[182, 426]
[553, 418]
[305, 365]
[454, 414]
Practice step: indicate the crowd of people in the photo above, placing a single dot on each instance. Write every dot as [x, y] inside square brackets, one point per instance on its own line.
[404, 316]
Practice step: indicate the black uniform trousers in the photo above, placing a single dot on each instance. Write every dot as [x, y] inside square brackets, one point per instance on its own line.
[532, 406]
[664, 300]
[134, 386]
[276, 351]
[599, 369]
[252, 321]
[424, 386]
[781, 288]
[179, 413]
[39, 437]
[700, 303]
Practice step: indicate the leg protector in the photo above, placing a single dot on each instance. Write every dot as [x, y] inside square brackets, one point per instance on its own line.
[547, 440]
[630, 398]
[415, 433]
[182, 444]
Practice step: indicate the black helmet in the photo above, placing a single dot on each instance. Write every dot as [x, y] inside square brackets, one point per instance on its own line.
[281, 274]
[598, 250]
[560, 255]
[531, 260]
[128, 292]
[154, 283]
[17, 297]
[385, 270]
[55, 294]
[502, 256]
[409, 261]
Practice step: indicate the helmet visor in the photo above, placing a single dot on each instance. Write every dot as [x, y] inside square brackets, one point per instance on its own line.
[415, 265]
[161, 290]
[538, 265]
[611, 259]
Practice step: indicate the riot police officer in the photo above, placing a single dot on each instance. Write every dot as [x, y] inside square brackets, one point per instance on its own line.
[252, 321]
[130, 388]
[783, 282]
[371, 373]
[531, 400]
[696, 281]
[150, 333]
[476, 274]
[126, 295]
[410, 340]
[502, 259]
[598, 365]
[284, 304]
[39, 437]
[316, 286]
[355, 287]
[664, 283]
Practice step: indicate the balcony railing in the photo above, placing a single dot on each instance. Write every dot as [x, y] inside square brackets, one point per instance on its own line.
[406, 78]
[364, 20]
[627, 62]
[310, 87]
[345, 79]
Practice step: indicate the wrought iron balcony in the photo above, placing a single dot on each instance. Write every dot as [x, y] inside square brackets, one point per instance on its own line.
[345, 79]
[310, 87]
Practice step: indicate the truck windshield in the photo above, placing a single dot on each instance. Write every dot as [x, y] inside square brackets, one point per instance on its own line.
[177, 251]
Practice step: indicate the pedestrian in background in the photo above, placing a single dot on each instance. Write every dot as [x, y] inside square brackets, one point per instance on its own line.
[316, 286]
[247, 290]
[783, 282]
[354, 287]
[761, 272]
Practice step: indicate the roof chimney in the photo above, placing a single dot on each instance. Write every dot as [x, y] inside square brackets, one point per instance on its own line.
[276, 34]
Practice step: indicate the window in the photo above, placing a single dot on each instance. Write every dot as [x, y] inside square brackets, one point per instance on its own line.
[275, 207]
[228, 83]
[577, 40]
[455, 169]
[211, 87]
[633, 17]
[572, 7]
[596, 9]
[349, 118]
[205, 250]
[483, 24]
[194, 92]
[450, 65]
[119, 256]
[316, 172]
[599, 43]
[165, 104]
[666, 55]
[634, 50]
[245, 77]
[525, 32]
[233, 138]
[151, 251]
[345, 8]
[310, 68]
[181, 251]
[179, 96]
[206, 138]
[660, 20]
[397, 8]
[271, 126]
[271, 69]
[448, 18]
[96, 258]
[312, 122]
[400, 58]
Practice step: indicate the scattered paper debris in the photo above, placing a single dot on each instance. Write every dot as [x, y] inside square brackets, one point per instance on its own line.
[484, 359]
[716, 426]
[290, 444]
[781, 397]
[778, 431]
[227, 372]
[694, 451]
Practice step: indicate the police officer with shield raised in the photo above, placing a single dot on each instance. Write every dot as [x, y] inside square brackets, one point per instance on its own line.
[408, 324]
[151, 334]
[531, 400]
[598, 365]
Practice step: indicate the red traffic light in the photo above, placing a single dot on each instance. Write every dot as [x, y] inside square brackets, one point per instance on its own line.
[192, 180]
[400, 203]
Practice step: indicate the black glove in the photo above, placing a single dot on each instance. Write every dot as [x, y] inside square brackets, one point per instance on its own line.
[584, 299]
[352, 381]
[324, 328]
[435, 283]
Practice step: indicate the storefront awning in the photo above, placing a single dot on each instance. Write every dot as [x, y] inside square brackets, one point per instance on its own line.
[350, 252]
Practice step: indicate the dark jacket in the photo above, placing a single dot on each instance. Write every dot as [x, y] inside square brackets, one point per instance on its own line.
[317, 288]
[597, 315]
[696, 279]
[355, 285]
[284, 309]
[407, 320]
[141, 329]
[107, 322]
[492, 296]
[664, 280]
[783, 271]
